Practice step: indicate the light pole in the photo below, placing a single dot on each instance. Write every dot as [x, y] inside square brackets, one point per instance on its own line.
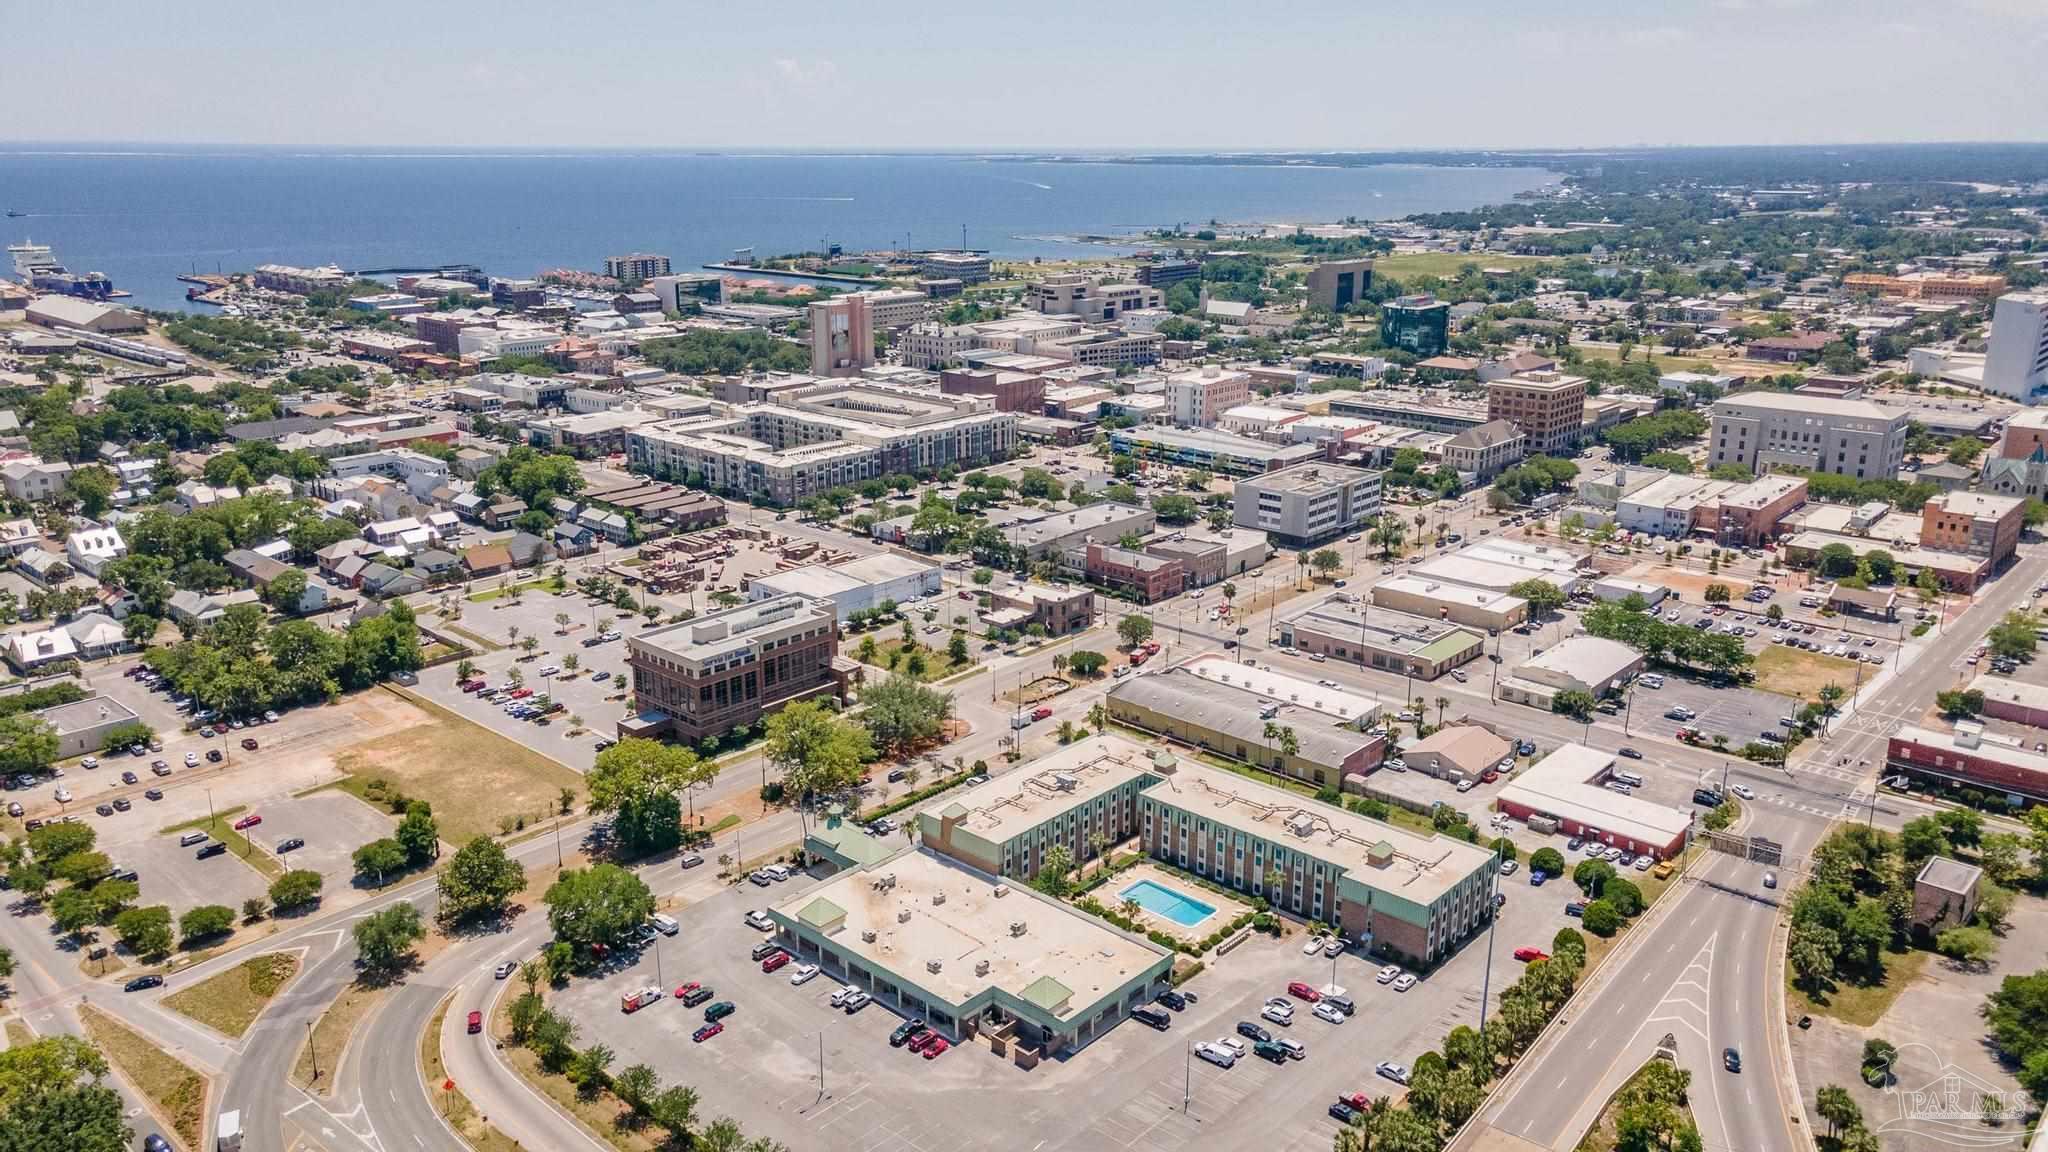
[1187, 1086]
[314, 1052]
[1486, 977]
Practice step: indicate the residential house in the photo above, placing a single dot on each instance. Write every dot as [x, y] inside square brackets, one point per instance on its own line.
[45, 568]
[97, 636]
[33, 480]
[384, 582]
[19, 535]
[486, 560]
[334, 557]
[194, 495]
[504, 512]
[92, 549]
[28, 651]
[197, 608]
[434, 563]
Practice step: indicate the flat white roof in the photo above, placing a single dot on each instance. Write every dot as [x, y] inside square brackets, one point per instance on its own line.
[1486, 599]
[1589, 659]
[1221, 669]
[1020, 800]
[1562, 784]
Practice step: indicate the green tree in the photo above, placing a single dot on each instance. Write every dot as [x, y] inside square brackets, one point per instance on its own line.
[1087, 662]
[1838, 1108]
[1548, 861]
[817, 751]
[1601, 919]
[902, 714]
[418, 834]
[601, 904]
[204, 921]
[636, 1088]
[480, 880]
[1134, 630]
[27, 744]
[385, 938]
[675, 1110]
[53, 1099]
[1967, 945]
[1054, 870]
[145, 931]
[295, 889]
[1543, 596]
[643, 782]
[1326, 561]
[379, 859]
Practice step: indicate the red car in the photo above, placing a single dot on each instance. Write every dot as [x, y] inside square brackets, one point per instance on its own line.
[683, 990]
[918, 1041]
[775, 960]
[1301, 991]
[1359, 1101]
[1530, 955]
[1041, 713]
[249, 821]
[1488, 776]
[521, 693]
[707, 1032]
[476, 1022]
[936, 1048]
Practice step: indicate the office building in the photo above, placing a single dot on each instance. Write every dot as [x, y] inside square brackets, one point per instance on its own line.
[1407, 408]
[686, 292]
[1167, 273]
[1486, 451]
[1976, 523]
[1208, 556]
[1210, 450]
[704, 677]
[1584, 664]
[1307, 504]
[933, 344]
[1569, 786]
[1970, 757]
[1239, 712]
[2016, 357]
[959, 949]
[1430, 598]
[635, 267]
[1057, 608]
[1010, 391]
[1335, 285]
[1078, 294]
[1415, 897]
[1197, 398]
[1149, 578]
[860, 585]
[842, 335]
[1762, 430]
[1749, 514]
[1549, 408]
[1933, 286]
[1420, 325]
[1342, 629]
[966, 267]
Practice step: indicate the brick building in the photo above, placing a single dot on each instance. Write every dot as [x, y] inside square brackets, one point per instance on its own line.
[1976, 523]
[1152, 578]
[704, 677]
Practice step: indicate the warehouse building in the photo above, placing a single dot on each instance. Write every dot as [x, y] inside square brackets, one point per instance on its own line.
[1579, 664]
[1570, 787]
[1079, 796]
[1230, 713]
[969, 953]
[1436, 599]
[1055, 535]
[1399, 894]
[1396, 642]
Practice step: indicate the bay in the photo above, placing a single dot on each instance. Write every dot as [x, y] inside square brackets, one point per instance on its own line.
[144, 218]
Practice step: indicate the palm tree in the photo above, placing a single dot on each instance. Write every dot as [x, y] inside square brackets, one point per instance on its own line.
[1066, 732]
[1229, 590]
[1274, 880]
[1098, 717]
[1130, 907]
[1289, 744]
[1442, 702]
[1831, 694]
[1300, 565]
[1059, 663]
[465, 669]
[1098, 846]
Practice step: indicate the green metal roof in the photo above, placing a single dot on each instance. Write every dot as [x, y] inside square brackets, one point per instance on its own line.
[1445, 647]
[1048, 994]
[820, 913]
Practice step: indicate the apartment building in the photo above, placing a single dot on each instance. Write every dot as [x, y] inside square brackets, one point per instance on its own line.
[1976, 523]
[896, 307]
[635, 267]
[1549, 408]
[842, 335]
[1198, 398]
[1938, 286]
[703, 677]
[1095, 302]
[298, 281]
[1762, 430]
[1307, 504]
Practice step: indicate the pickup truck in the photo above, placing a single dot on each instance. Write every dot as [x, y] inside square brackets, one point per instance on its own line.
[639, 998]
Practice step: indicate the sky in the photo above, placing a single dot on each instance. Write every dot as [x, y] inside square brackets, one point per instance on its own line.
[1043, 75]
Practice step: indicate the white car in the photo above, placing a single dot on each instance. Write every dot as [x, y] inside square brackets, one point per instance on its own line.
[549, 670]
[758, 919]
[1335, 947]
[1279, 1014]
[1389, 974]
[844, 994]
[1232, 1045]
[1392, 1071]
[191, 759]
[504, 969]
[1743, 790]
[803, 973]
[1325, 1011]
[63, 795]
[1314, 945]
[1216, 1054]
[1507, 867]
[1406, 982]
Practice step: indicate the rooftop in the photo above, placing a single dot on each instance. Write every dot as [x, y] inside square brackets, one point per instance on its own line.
[1336, 703]
[1024, 798]
[1949, 875]
[1977, 505]
[1806, 404]
[1586, 658]
[1414, 867]
[1233, 711]
[1485, 599]
[1564, 784]
[1310, 478]
[1387, 630]
[88, 713]
[734, 631]
[917, 911]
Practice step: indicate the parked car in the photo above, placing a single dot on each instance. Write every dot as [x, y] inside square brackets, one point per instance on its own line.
[1530, 955]
[249, 821]
[706, 1031]
[1216, 1054]
[290, 844]
[904, 1033]
[1398, 1073]
[249, 743]
[1301, 991]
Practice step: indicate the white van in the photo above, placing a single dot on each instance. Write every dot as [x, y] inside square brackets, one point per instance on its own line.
[191, 838]
[1629, 778]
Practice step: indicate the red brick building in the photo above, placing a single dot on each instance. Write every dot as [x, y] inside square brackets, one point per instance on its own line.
[1970, 758]
[1153, 578]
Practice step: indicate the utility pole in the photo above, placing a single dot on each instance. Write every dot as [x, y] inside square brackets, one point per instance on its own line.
[315, 1052]
[1486, 977]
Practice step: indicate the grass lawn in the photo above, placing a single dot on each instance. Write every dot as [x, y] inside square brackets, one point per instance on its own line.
[509, 590]
[18, 1033]
[476, 1130]
[178, 1092]
[230, 1002]
[221, 826]
[1602, 1137]
[1854, 1003]
[472, 776]
[937, 663]
[481, 644]
[1800, 674]
[1405, 266]
[331, 1034]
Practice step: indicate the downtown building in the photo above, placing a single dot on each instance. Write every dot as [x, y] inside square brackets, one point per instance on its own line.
[1762, 430]
[704, 677]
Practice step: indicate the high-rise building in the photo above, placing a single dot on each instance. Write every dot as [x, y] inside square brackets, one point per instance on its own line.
[1549, 408]
[1199, 397]
[635, 267]
[1338, 284]
[2016, 359]
[842, 335]
[1418, 324]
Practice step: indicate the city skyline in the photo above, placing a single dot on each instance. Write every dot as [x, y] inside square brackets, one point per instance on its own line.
[1467, 76]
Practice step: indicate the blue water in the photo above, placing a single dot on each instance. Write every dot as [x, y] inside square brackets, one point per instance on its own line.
[1159, 900]
[145, 218]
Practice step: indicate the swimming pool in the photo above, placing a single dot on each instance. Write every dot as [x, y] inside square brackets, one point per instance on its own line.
[1160, 900]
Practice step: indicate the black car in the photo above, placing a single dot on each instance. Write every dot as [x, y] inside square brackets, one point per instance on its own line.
[142, 982]
[155, 1143]
[1251, 1031]
[153, 794]
[1342, 1112]
[1575, 908]
[1629, 752]
[1172, 999]
[104, 809]
[121, 804]
[287, 845]
[1152, 1017]
[1731, 1059]
[904, 1032]
[1706, 796]
[211, 848]
[213, 756]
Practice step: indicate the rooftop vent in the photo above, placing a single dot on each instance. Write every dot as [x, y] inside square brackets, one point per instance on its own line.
[933, 966]
[938, 898]
[1002, 890]
[1064, 782]
[981, 967]
[867, 936]
[1301, 823]
[903, 916]
[1018, 928]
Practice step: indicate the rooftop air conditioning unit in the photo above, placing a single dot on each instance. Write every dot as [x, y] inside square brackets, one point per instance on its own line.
[1017, 927]
[981, 967]
[1301, 823]
[1002, 890]
[903, 916]
[938, 898]
[933, 966]
[867, 936]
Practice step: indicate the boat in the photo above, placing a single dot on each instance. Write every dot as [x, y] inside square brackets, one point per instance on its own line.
[15, 214]
[36, 265]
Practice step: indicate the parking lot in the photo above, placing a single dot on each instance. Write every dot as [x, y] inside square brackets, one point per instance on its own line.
[1123, 1090]
[169, 873]
[333, 825]
[1741, 714]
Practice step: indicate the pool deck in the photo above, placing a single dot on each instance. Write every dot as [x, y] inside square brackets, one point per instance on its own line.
[1227, 908]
